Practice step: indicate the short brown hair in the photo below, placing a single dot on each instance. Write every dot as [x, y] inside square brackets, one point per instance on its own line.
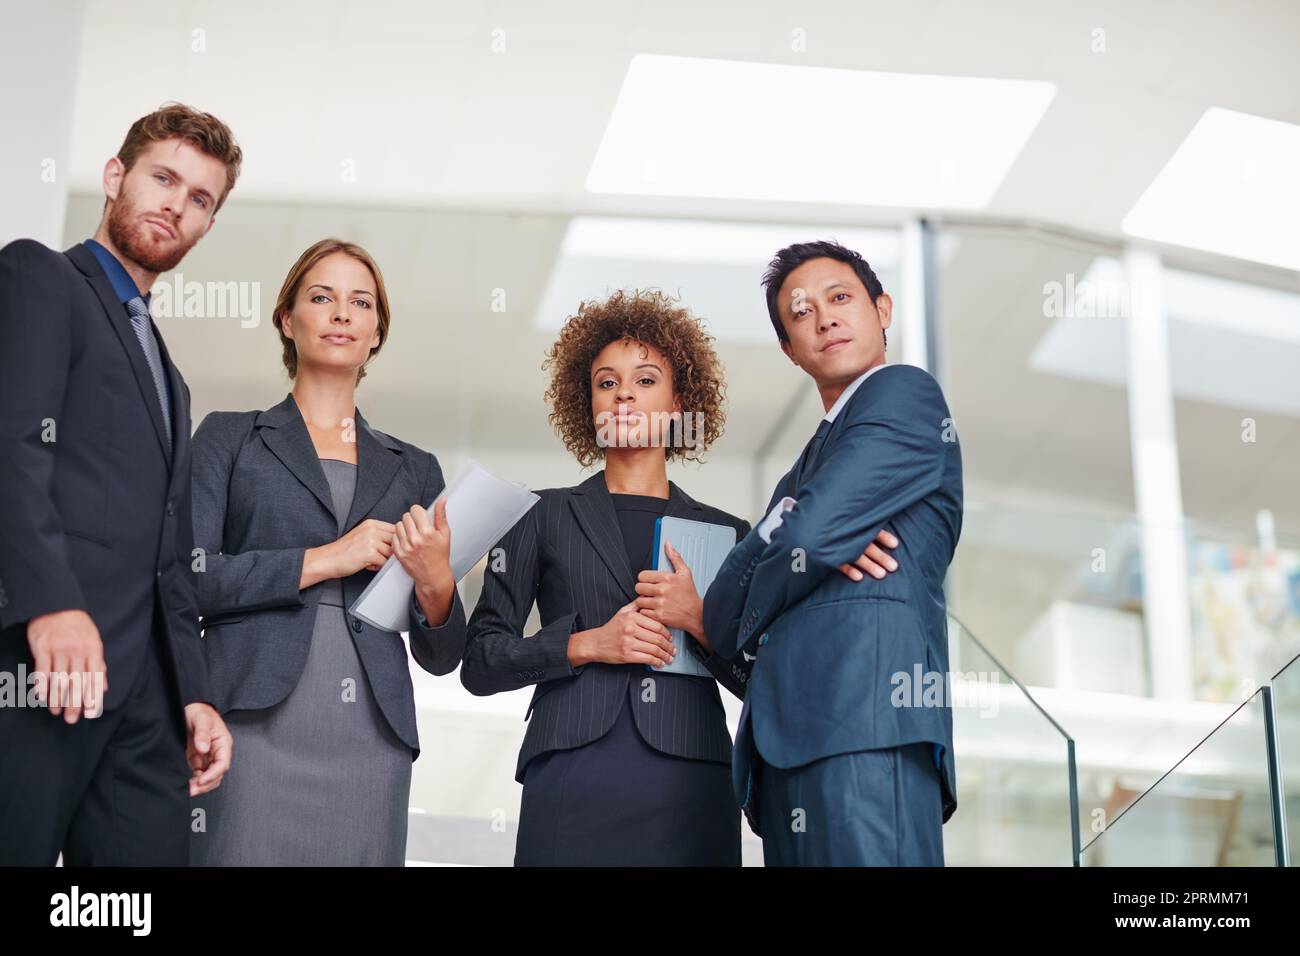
[650, 318]
[289, 292]
[201, 130]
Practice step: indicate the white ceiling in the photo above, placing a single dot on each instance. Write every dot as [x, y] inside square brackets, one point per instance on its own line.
[397, 124]
[415, 96]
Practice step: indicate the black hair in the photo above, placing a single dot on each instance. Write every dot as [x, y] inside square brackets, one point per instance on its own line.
[792, 257]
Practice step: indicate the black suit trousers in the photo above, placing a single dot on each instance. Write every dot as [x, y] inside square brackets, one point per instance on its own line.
[111, 790]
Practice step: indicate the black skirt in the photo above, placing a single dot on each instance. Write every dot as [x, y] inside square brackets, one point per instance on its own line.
[619, 802]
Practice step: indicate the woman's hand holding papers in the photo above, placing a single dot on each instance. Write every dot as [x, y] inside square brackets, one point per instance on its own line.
[422, 543]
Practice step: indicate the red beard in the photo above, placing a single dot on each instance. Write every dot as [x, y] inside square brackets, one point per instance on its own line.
[138, 241]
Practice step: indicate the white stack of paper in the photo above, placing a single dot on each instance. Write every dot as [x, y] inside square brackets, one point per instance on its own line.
[480, 509]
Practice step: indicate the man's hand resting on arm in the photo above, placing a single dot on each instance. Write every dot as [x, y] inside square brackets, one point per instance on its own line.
[671, 597]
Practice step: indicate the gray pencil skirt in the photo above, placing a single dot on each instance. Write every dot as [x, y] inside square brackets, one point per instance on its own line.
[320, 779]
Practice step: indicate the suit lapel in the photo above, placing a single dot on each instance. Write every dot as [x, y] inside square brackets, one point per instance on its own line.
[594, 510]
[837, 426]
[682, 505]
[118, 318]
[285, 433]
[378, 458]
[785, 487]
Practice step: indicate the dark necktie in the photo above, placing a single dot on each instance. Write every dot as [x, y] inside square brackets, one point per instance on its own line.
[811, 451]
[149, 345]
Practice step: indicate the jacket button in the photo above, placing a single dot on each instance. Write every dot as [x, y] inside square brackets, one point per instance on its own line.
[171, 507]
[762, 640]
[356, 626]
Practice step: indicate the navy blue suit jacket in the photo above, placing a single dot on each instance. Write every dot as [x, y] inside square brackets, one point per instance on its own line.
[841, 665]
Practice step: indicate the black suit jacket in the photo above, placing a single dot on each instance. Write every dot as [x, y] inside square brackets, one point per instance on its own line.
[98, 518]
[567, 555]
[260, 501]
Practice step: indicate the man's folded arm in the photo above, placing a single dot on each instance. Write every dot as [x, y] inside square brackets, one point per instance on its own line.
[891, 456]
[730, 670]
[725, 598]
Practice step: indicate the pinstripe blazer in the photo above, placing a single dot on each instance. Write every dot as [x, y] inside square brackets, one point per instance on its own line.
[567, 555]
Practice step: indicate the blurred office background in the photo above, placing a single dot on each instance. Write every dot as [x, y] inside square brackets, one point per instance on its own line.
[1088, 215]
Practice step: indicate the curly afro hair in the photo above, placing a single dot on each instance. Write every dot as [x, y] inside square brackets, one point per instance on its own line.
[652, 318]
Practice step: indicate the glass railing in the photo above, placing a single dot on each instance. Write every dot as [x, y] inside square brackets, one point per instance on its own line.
[1286, 735]
[1017, 789]
[1215, 807]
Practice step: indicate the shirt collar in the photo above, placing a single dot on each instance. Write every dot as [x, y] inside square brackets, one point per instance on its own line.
[121, 280]
[848, 392]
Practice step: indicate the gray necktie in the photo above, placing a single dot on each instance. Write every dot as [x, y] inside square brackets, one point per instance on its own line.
[149, 345]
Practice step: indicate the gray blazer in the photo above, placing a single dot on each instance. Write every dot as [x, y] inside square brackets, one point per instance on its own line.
[260, 501]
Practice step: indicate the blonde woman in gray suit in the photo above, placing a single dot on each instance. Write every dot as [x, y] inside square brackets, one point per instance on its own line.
[295, 508]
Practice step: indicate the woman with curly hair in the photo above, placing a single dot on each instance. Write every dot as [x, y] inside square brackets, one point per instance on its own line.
[622, 764]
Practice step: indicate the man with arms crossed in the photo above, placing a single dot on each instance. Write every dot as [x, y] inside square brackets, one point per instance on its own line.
[97, 598]
[841, 758]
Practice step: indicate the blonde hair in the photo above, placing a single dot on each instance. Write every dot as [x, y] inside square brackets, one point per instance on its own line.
[293, 281]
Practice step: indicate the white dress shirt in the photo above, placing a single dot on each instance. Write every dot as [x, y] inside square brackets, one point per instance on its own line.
[776, 515]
